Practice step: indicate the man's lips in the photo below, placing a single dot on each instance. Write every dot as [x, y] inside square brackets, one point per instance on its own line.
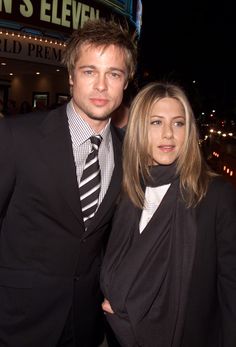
[99, 101]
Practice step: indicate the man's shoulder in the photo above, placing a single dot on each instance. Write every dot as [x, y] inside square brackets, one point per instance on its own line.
[118, 132]
[24, 119]
[32, 119]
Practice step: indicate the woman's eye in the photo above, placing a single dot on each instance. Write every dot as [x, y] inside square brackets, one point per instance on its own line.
[179, 124]
[155, 122]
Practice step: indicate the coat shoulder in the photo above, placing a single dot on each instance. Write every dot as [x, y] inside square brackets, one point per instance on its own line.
[219, 187]
[27, 124]
[219, 204]
[117, 132]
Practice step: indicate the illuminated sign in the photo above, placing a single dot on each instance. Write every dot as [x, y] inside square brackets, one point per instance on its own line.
[66, 13]
[28, 49]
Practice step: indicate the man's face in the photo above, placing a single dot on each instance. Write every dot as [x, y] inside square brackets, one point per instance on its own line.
[98, 82]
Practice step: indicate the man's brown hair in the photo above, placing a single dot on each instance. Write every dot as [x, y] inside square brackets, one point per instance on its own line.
[101, 33]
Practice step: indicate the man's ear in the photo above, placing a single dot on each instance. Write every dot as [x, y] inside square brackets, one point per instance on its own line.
[71, 80]
[126, 85]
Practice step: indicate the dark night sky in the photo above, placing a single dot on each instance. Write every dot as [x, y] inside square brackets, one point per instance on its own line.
[191, 40]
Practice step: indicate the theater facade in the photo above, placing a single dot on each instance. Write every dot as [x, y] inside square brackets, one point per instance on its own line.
[33, 35]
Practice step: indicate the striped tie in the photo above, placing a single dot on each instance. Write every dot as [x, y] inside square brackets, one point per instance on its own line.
[90, 182]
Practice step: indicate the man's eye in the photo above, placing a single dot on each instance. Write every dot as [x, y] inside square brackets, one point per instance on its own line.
[88, 72]
[115, 74]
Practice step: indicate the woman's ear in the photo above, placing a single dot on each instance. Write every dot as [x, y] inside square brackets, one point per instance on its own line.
[126, 85]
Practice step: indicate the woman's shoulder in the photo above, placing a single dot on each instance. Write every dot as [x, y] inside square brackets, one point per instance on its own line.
[221, 192]
[220, 184]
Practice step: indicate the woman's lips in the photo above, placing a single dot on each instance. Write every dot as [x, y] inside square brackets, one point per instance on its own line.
[166, 148]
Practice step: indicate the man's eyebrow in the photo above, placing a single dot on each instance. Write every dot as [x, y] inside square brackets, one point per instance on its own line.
[87, 66]
[116, 68]
[111, 68]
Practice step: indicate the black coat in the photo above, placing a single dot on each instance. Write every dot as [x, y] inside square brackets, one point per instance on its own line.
[48, 263]
[208, 317]
[211, 308]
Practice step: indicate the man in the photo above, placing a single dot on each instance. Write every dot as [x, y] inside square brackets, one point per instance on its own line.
[50, 250]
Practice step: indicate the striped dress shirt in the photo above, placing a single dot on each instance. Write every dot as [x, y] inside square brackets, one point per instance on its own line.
[80, 133]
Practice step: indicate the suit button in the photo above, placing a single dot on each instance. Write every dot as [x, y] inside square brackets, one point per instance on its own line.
[83, 240]
[76, 278]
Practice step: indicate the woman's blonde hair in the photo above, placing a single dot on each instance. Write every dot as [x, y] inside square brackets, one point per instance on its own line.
[193, 171]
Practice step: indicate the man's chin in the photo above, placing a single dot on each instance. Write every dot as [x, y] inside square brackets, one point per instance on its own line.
[99, 117]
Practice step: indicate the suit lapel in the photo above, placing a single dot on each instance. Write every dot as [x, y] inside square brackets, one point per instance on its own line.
[57, 151]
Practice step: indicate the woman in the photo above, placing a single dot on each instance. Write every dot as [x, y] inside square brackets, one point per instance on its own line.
[169, 273]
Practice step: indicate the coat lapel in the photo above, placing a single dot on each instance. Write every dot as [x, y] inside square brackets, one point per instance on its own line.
[56, 148]
[57, 151]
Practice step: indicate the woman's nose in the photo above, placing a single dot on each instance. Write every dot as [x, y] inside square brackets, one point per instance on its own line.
[167, 131]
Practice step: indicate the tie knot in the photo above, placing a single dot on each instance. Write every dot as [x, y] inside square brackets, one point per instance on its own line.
[96, 141]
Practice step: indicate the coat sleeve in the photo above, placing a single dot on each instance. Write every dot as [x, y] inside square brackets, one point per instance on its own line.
[7, 167]
[226, 262]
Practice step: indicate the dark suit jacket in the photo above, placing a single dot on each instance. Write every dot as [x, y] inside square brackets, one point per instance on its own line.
[48, 262]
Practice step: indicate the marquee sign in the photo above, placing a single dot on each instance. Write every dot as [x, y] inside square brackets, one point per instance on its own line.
[69, 14]
[66, 14]
[27, 48]
[49, 16]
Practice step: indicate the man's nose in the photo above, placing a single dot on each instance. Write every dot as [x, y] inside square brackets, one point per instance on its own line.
[101, 82]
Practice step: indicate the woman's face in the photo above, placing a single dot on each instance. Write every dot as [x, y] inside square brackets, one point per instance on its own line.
[166, 131]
